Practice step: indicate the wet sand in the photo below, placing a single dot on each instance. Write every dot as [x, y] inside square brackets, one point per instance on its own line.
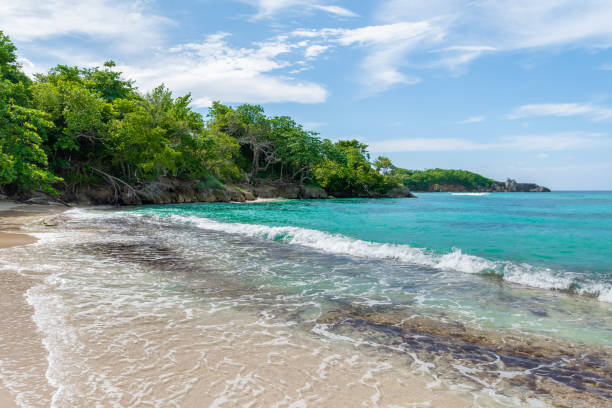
[8, 239]
[13, 216]
[19, 339]
[177, 351]
[145, 350]
[6, 400]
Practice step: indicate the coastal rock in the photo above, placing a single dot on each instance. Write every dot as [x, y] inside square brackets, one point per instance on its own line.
[236, 195]
[400, 192]
[313, 192]
[274, 189]
[167, 190]
[511, 186]
[95, 194]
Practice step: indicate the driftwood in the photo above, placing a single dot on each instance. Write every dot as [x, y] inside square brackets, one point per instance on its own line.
[114, 181]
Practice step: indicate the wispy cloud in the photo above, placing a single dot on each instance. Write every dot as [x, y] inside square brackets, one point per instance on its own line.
[534, 142]
[314, 51]
[476, 28]
[129, 25]
[451, 34]
[606, 67]
[271, 8]
[339, 11]
[514, 25]
[473, 119]
[425, 145]
[592, 112]
[214, 70]
[386, 46]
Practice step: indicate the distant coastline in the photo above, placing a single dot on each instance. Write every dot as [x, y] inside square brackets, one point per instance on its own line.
[509, 186]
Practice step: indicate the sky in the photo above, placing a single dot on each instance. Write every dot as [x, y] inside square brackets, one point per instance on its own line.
[519, 89]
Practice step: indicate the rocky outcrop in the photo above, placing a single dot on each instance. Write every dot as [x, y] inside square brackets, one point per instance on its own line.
[511, 186]
[164, 190]
[167, 190]
[276, 188]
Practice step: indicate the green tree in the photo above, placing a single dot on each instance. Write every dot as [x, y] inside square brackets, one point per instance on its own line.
[10, 69]
[23, 162]
[383, 165]
[251, 128]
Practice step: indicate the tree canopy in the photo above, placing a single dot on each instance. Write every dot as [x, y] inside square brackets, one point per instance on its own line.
[74, 127]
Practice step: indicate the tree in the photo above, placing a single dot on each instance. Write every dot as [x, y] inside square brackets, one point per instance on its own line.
[346, 170]
[23, 162]
[251, 128]
[297, 150]
[91, 126]
[10, 69]
[383, 165]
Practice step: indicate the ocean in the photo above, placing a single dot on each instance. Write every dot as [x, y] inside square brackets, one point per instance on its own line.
[501, 299]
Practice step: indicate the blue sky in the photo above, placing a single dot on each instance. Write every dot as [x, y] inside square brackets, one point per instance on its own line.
[519, 89]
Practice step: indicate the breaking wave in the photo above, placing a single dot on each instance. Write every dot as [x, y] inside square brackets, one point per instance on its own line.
[523, 274]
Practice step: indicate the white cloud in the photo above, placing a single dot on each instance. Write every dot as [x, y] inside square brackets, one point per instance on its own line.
[270, 8]
[315, 50]
[28, 66]
[547, 142]
[451, 34]
[386, 46]
[476, 28]
[458, 56]
[128, 24]
[339, 11]
[425, 145]
[213, 70]
[606, 67]
[512, 25]
[592, 112]
[473, 119]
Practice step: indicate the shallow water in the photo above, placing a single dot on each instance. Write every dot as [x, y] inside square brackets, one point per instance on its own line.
[318, 303]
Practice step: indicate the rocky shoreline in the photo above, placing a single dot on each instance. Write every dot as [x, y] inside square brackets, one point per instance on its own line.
[166, 190]
[508, 186]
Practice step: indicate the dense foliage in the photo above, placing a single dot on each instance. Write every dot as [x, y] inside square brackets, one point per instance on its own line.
[74, 127]
[435, 179]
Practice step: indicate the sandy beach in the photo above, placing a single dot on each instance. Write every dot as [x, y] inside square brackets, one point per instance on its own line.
[13, 216]
[133, 307]
[19, 335]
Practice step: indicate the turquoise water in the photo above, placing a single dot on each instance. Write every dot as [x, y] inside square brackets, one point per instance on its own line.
[538, 263]
[499, 300]
[569, 234]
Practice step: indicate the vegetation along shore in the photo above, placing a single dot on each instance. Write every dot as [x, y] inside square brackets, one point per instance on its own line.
[87, 135]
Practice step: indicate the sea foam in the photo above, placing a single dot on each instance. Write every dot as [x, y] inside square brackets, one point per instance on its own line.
[456, 260]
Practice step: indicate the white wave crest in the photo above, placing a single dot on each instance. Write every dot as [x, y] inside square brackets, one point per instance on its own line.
[523, 274]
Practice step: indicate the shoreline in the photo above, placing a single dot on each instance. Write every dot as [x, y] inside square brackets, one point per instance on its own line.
[14, 215]
[15, 311]
[538, 366]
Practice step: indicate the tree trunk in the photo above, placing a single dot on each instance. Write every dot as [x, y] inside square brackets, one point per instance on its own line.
[255, 166]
